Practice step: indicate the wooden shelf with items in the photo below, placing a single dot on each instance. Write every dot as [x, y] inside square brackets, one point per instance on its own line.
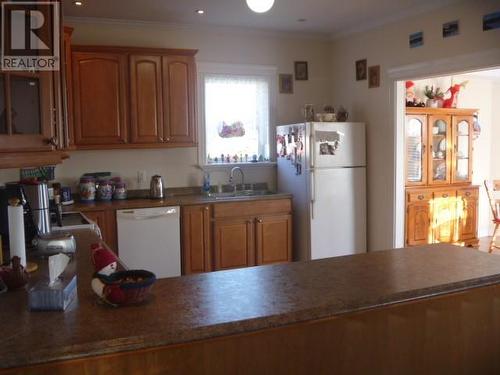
[441, 203]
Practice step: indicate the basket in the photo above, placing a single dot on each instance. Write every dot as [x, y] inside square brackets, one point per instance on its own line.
[132, 292]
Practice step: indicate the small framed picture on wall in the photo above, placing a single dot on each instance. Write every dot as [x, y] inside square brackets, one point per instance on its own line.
[286, 83]
[301, 71]
[361, 69]
[374, 76]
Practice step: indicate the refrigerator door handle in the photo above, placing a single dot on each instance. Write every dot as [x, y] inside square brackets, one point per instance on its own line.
[312, 149]
[313, 193]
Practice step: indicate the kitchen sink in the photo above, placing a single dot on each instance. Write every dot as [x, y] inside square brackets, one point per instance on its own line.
[241, 194]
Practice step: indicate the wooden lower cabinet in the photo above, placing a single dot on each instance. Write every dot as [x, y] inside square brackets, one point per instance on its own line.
[442, 215]
[196, 239]
[468, 219]
[273, 239]
[106, 220]
[418, 230]
[234, 243]
[235, 234]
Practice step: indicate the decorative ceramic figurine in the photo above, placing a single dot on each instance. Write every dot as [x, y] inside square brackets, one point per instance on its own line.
[451, 102]
[16, 276]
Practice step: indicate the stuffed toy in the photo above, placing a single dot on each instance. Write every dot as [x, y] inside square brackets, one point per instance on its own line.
[105, 263]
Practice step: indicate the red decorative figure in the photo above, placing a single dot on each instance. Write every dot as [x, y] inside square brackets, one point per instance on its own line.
[451, 102]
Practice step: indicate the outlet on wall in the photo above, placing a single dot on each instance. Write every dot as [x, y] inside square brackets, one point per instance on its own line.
[141, 178]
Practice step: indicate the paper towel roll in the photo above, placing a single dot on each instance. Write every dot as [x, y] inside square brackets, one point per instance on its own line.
[17, 240]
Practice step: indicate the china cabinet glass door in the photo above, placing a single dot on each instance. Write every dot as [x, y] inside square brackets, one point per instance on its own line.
[416, 157]
[440, 158]
[462, 150]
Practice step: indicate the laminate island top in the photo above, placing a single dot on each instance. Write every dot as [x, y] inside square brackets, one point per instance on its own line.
[197, 307]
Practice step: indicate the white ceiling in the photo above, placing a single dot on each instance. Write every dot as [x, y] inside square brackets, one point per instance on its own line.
[329, 17]
[493, 74]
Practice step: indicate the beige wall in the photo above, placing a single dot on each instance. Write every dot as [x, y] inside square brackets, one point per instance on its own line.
[179, 166]
[388, 47]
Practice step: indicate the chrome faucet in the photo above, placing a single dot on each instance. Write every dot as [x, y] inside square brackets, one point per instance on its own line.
[231, 177]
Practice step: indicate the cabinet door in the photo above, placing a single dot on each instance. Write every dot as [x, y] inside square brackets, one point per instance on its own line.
[106, 220]
[444, 215]
[100, 98]
[274, 239]
[416, 155]
[440, 150]
[146, 111]
[467, 209]
[462, 149]
[196, 239]
[26, 112]
[234, 243]
[418, 219]
[179, 86]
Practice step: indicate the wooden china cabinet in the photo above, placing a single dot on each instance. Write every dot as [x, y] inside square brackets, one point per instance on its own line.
[441, 202]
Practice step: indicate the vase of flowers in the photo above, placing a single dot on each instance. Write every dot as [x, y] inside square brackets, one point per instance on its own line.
[434, 97]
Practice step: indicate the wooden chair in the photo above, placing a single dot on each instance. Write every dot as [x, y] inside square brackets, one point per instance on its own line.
[492, 189]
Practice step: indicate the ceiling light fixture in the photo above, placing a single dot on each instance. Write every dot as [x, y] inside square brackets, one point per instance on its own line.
[260, 6]
[78, 3]
[200, 11]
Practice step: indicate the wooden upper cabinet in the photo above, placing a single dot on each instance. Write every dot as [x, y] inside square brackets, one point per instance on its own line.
[179, 86]
[27, 112]
[416, 147]
[462, 130]
[100, 98]
[196, 239]
[273, 236]
[440, 149]
[146, 102]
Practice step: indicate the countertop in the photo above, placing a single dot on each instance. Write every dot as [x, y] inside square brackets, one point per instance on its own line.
[197, 307]
[169, 200]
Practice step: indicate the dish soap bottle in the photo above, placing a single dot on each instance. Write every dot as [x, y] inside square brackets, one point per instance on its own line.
[206, 184]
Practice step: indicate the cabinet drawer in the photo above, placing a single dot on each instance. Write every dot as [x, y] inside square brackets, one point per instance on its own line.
[468, 193]
[445, 194]
[419, 196]
[252, 208]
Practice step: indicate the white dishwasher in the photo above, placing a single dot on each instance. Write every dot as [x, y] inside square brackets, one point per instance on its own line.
[149, 239]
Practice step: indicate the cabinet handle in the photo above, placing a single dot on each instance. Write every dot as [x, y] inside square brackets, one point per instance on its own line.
[259, 220]
[420, 197]
[52, 141]
[206, 208]
[467, 194]
[445, 195]
[167, 139]
[161, 139]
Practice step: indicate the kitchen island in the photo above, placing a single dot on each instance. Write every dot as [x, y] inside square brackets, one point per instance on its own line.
[434, 309]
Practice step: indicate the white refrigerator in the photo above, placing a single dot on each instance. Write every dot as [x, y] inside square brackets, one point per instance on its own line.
[323, 164]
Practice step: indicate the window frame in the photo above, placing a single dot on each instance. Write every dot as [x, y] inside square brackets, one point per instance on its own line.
[266, 71]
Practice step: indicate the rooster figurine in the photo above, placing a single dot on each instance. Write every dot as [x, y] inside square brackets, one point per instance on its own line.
[451, 102]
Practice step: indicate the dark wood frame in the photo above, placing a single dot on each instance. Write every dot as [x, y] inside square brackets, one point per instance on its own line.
[374, 76]
[282, 84]
[361, 67]
[304, 75]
